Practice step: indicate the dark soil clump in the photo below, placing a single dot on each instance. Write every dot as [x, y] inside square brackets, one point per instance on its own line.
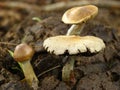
[99, 71]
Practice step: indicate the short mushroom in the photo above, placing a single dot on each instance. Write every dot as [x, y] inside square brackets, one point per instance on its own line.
[23, 54]
[78, 16]
[73, 45]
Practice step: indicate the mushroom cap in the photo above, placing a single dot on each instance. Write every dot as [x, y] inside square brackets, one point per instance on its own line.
[23, 52]
[73, 44]
[81, 14]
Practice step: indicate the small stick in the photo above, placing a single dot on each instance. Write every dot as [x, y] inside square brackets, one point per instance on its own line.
[49, 70]
[58, 66]
[19, 5]
[7, 43]
[100, 3]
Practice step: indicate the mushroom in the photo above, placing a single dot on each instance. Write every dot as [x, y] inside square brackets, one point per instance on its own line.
[23, 54]
[73, 45]
[78, 16]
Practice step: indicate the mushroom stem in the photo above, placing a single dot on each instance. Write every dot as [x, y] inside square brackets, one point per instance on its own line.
[28, 72]
[75, 29]
[67, 70]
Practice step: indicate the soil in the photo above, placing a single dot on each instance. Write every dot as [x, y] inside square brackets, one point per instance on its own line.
[100, 71]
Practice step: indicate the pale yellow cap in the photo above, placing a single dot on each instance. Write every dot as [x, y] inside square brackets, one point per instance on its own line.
[81, 14]
[73, 44]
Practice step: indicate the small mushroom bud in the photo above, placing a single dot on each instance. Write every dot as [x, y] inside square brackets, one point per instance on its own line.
[23, 54]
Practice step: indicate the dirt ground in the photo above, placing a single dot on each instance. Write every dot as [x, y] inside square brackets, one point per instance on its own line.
[100, 71]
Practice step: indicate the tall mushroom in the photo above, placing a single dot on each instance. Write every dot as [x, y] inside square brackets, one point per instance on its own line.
[73, 45]
[78, 16]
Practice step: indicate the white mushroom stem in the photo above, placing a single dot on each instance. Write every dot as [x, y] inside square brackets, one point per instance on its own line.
[28, 71]
[75, 29]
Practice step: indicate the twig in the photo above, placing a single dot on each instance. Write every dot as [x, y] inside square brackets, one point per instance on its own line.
[7, 43]
[100, 3]
[49, 70]
[63, 63]
[19, 5]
